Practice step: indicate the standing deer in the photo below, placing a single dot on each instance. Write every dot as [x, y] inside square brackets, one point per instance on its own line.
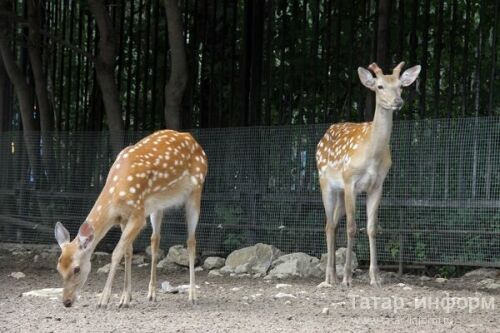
[354, 158]
[163, 170]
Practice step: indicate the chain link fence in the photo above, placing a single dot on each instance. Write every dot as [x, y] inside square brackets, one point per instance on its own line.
[441, 201]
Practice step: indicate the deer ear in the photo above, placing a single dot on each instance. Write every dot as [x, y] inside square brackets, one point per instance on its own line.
[410, 75]
[61, 233]
[366, 78]
[85, 235]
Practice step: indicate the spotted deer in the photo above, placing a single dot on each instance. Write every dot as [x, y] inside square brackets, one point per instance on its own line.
[163, 170]
[355, 157]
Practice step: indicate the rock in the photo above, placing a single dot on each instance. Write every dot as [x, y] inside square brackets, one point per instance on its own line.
[51, 293]
[283, 285]
[198, 269]
[258, 257]
[441, 280]
[324, 284]
[167, 265]
[339, 261]
[99, 256]
[493, 286]
[104, 269]
[336, 305]
[243, 275]
[184, 288]
[214, 272]
[17, 275]
[137, 259]
[489, 284]
[325, 311]
[284, 295]
[236, 289]
[486, 282]
[242, 268]
[482, 273]
[179, 255]
[288, 302]
[168, 288]
[401, 284]
[160, 255]
[406, 288]
[295, 264]
[425, 278]
[214, 262]
[226, 270]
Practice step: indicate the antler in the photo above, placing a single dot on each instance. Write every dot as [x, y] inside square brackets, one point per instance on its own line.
[397, 70]
[375, 69]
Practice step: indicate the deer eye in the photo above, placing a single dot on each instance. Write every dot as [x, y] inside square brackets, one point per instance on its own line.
[380, 87]
[76, 270]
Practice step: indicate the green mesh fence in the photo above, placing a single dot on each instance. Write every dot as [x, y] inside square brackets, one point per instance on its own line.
[441, 200]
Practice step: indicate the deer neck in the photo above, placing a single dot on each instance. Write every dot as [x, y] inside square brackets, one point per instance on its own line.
[381, 130]
[102, 219]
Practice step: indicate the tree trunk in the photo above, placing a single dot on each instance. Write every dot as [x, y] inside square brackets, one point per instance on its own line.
[35, 54]
[45, 111]
[245, 66]
[413, 55]
[437, 66]
[256, 62]
[383, 36]
[174, 89]
[493, 61]
[104, 67]
[22, 90]
[451, 69]
[380, 43]
[5, 97]
[425, 57]
[401, 28]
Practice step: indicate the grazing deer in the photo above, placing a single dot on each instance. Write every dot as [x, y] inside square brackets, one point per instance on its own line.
[163, 170]
[354, 158]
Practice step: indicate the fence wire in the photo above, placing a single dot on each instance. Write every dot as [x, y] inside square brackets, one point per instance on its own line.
[441, 201]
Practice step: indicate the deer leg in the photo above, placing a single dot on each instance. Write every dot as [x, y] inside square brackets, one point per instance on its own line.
[372, 204]
[350, 206]
[328, 204]
[192, 215]
[338, 213]
[156, 219]
[129, 234]
[127, 281]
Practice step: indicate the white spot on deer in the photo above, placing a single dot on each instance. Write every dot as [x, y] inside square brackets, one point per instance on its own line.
[132, 190]
[194, 180]
[117, 166]
[129, 178]
[115, 178]
[122, 193]
[111, 190]
[130, 202]
[99, 207]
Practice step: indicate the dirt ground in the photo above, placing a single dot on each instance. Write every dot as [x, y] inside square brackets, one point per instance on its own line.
[229, 304]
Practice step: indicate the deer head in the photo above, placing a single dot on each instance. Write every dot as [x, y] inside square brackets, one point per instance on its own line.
[388, 88]
[74, 263]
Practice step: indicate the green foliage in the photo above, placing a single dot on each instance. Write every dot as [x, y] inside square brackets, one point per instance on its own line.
[230, 217]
